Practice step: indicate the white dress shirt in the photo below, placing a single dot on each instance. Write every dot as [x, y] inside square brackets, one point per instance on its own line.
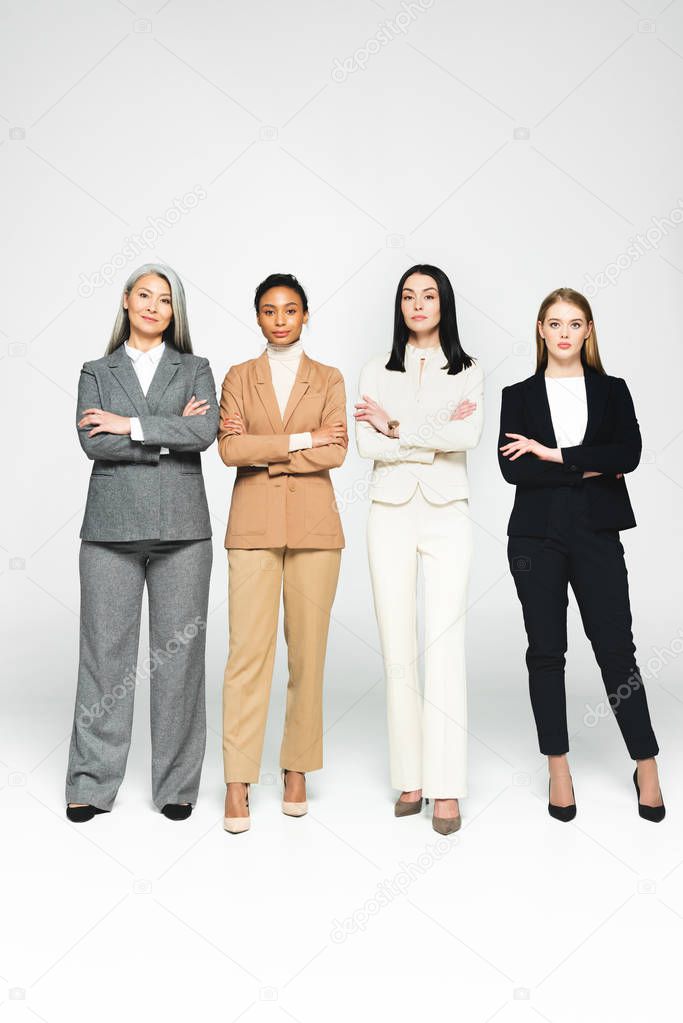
[568, 409]
[144, 364]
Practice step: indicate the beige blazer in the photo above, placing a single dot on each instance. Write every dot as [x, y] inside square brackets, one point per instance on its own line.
[431, 448]
[291, 502]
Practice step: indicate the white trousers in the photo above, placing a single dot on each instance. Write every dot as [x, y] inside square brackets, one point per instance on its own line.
[427, 733]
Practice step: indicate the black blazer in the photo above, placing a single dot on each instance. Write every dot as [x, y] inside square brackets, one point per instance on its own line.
[611, 444]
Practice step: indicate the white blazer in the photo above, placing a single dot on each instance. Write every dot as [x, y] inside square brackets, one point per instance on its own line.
[430, 449]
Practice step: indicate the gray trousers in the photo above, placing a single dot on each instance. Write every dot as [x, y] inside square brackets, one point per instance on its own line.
[112, 577]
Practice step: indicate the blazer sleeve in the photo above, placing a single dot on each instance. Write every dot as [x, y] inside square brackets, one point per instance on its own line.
[327, 456]
[619, 457]
[107, 446]
[246, 448]
[527, 469]
[436, 432]
[373, 444]
[186, 433]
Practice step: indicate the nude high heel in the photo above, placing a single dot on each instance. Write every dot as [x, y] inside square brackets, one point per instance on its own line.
[236, 825]
[289, 808]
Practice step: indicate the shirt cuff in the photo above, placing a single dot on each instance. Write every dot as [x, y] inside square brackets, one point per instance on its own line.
[297, 441]
[137, 434]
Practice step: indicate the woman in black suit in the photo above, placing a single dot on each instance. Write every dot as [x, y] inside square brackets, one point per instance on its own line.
[568, 434]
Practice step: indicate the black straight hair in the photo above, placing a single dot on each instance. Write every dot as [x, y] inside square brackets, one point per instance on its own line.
[280, 281]
[456, 358]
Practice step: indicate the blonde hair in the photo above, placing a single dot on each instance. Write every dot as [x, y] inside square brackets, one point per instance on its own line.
[177, 334]
[590, 354]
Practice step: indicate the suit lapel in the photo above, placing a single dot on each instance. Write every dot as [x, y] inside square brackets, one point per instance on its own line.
[596, 399]
[299, 388]
[537, 401]
[163, 374]
[266, 392]
[122, 368]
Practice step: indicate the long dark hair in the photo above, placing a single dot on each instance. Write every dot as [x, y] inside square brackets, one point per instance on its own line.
[456, 358]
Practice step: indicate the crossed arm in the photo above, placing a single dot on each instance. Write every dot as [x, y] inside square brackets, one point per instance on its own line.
[421, 433]
[243, 448]
[106, 435]
[524, 461]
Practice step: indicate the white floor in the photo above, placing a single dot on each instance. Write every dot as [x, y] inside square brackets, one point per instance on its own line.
[346, 913]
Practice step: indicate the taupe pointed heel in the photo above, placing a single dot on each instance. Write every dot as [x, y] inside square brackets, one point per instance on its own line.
[236, 825]
[289, 808]
[446, 825]
[403, 808]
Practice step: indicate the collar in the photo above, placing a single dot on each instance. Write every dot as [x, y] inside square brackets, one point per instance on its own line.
[285, 353]
[429, 353]
[136, 353]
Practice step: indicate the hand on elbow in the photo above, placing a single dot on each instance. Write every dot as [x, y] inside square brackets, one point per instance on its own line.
[104, 422]
[334, 434]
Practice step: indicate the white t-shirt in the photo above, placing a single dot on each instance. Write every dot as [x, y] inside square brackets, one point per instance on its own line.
[568, 409]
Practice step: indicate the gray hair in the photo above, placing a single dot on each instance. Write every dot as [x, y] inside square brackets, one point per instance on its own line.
[177, 333]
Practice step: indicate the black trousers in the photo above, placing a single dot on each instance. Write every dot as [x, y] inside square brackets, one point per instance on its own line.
[592, 562]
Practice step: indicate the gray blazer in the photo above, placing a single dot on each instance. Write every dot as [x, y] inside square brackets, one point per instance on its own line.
[134, 493]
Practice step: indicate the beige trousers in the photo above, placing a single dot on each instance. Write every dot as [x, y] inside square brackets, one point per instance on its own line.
[308, 580]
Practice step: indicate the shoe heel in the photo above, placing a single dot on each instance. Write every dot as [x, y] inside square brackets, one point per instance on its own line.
[649, 813]
[289, 808]
[236, 825]
[562, 813]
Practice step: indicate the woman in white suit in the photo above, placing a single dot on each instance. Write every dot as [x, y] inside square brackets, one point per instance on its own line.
[420, 410]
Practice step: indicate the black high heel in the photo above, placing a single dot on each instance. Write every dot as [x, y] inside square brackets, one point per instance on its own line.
[562, 813]
[80, 814]
[649, 813]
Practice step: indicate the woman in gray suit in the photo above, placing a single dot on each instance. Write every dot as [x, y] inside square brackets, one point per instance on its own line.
[145, 411]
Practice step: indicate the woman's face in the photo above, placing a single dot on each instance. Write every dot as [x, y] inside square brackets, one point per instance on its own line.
[149, 305]
[420, 303]
[281, 315]
[565, 330]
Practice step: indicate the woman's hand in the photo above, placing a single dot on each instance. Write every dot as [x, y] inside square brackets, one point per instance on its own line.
[368, 411]
[463, 409]
[521, 445]
[333, 434]
[105, 422]
[233, 425]
[196, 407]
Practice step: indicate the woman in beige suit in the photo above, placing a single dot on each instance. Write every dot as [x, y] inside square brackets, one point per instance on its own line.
[283, 425]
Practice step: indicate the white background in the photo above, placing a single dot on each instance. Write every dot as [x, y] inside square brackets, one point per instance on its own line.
[519, 146]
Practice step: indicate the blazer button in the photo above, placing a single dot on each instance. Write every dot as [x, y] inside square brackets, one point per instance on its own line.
[291, 486]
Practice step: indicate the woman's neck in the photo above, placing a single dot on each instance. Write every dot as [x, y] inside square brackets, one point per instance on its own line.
[290, 351]
[430, 339]
[555, 368]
